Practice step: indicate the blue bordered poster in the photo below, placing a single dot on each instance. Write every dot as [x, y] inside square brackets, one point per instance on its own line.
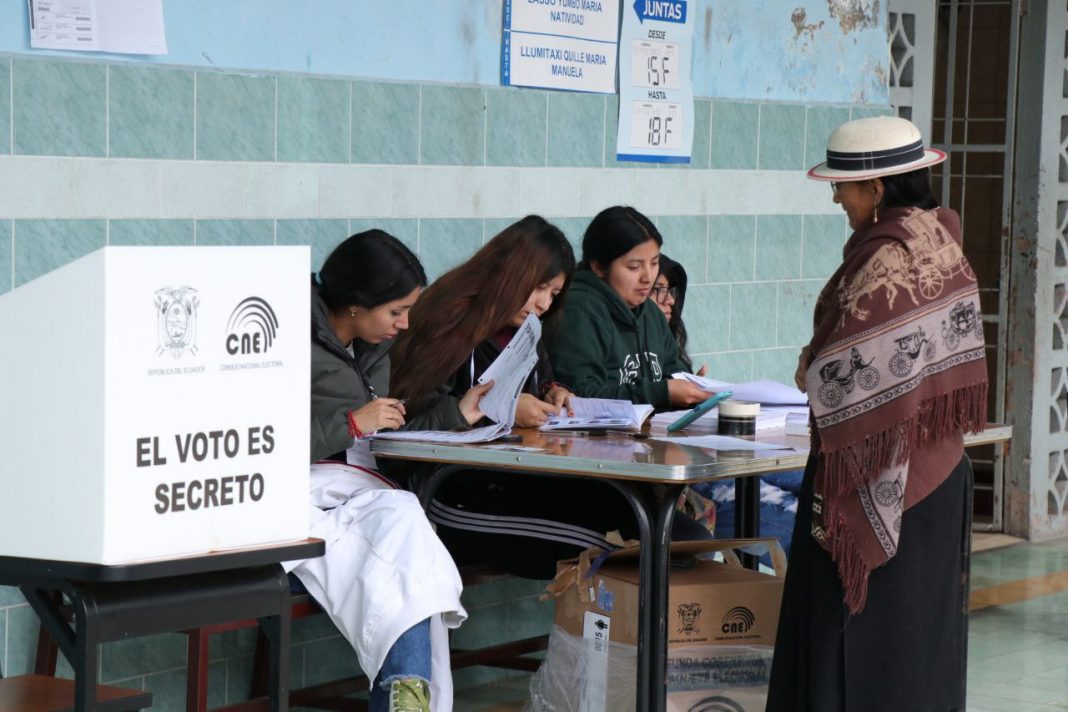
[560, 44]
[655, 87]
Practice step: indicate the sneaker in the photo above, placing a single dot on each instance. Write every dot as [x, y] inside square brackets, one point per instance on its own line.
[409, 694]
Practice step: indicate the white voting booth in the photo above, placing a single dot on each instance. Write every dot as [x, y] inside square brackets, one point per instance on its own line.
[155, 403]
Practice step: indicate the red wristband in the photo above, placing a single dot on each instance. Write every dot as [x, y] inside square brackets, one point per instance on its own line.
[354, 429]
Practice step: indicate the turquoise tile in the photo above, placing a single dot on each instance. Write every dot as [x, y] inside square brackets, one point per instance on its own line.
[515, 127]
[322, 235]
[43, 245]
[445, 243]
[611, 137]
[820, 121]
[150, 112]
[453, 126]
[866, 111]
[573, 229]
[509, 620]
[313, 628]
[168, 690]
[404, 229]
[686, 242]
[708, 318]
[313, 120]
[797, 300]
[150, 232]
[138, 656]
[232, 643]
[235, 117]
[239, 674]
[218, 684]
[825, 235]
[10, 596]
[235, 232]
[753, 319]
[329, 659]
[5, 284]
[734, 134]
[776, 364]
[385, 123]
[733, 367]
[22, 627]
[576, 129]
[731, 248]
[495, 592]
[702, 138]
[782, 137]
[491, 227]
[778, 247]
[59, 108]
[5, 105]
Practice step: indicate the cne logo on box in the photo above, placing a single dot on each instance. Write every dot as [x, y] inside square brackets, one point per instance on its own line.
[738, 620]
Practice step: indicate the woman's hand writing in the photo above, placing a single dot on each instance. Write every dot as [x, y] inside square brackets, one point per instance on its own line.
[684, 393]
[470, 404]
[530, 412]
[379, 413]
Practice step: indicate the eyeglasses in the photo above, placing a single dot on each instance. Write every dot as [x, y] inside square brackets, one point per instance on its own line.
[662, 294]
[834, 187]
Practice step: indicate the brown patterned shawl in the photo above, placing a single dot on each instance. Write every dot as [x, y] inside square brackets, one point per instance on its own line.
[897, 365]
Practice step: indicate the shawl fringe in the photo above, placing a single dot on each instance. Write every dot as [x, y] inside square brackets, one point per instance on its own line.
[854, 464]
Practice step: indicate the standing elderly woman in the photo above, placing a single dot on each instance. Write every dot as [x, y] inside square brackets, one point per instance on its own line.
[874, 612]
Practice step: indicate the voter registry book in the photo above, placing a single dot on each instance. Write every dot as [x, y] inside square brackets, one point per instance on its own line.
[600, 414]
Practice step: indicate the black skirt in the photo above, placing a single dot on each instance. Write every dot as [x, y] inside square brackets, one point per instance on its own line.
[907, 650]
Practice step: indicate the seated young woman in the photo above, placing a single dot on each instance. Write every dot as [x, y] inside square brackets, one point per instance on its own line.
[669, 295]
[611, 342]
[386, 581]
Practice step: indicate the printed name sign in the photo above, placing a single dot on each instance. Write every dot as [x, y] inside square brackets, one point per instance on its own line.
[170, 417]
[560, 44]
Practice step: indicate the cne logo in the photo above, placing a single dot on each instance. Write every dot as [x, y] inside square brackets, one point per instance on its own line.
[252, 327]
[738, 620]
[176, 320]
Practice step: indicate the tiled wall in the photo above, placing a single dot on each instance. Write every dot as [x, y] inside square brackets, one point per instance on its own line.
[94, 154]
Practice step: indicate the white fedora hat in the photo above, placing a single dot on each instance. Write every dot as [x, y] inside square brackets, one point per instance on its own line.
[874, 147]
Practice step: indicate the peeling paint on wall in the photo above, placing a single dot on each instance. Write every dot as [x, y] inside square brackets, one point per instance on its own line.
[853, 15]
[798, 17]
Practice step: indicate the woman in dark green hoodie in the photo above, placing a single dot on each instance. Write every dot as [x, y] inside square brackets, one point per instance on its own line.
[612, 342]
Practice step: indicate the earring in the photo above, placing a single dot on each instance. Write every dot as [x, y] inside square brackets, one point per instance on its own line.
[875, 218]
[352, 312]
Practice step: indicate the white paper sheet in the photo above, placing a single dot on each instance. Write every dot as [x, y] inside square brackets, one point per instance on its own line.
[721, 442]
[448, 437]
[760, 391]
[509, 371]
[120, 26]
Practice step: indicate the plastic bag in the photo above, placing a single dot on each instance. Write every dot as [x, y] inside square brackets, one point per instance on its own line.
[586, 675]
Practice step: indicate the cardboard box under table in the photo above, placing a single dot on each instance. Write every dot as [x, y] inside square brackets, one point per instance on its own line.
[721, 616]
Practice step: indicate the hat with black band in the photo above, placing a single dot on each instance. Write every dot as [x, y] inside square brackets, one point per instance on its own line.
[874, 147]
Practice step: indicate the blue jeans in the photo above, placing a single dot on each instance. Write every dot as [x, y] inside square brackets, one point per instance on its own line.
[409, 657]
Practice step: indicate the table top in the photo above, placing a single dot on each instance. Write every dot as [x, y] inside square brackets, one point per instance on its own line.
[245, 557]
[616, 455]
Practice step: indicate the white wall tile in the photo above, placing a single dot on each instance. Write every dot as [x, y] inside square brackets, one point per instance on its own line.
[204, 189]
[454, 192]
[353, 191]
[281, 190]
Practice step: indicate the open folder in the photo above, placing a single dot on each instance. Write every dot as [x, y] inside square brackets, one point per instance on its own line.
[601, 414]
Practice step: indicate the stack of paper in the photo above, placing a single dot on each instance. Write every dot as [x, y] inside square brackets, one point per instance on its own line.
[777, 403]
[601, 414]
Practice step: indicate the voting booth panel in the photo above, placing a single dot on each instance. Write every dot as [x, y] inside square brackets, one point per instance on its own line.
[156, 404]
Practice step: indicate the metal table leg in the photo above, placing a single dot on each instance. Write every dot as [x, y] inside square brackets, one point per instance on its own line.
[747, 514]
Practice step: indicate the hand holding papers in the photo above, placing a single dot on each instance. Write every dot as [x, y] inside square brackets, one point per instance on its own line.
[509, 371]
[601, 414]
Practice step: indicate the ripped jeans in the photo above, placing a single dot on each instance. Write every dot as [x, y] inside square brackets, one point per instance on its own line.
[409, 657]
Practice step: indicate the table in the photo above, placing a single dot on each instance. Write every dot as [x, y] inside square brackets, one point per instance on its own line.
[650, 474]
[141, 598]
